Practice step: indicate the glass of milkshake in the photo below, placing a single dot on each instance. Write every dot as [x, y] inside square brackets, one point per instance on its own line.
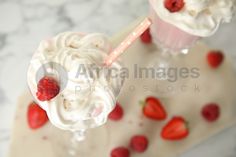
[68, 79]
[178, 24]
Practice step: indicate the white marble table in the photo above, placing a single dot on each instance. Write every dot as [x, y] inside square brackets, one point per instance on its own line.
[23, 23]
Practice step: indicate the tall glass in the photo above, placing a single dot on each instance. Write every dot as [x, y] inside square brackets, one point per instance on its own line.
[172, 44]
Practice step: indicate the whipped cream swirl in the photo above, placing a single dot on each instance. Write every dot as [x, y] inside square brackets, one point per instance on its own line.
[88, 93]
[197, 17]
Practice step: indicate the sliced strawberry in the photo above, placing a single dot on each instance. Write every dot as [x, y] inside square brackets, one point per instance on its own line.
[175, 129]
[174, 5]
[153, 109]
[139, 143]
[120, 152]
[146, 37]
[211, 112]
[117, 113]
[48, 88]
[215, 58]
[36, 116]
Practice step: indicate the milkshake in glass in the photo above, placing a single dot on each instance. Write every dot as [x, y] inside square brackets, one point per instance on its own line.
[178, 24]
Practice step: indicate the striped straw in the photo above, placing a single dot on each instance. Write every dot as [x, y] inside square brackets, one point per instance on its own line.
[144, 25]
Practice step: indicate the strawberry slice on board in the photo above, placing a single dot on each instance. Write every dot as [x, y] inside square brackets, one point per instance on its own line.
[117, 113]
[175, 129]
[36, 116]
[153, 109]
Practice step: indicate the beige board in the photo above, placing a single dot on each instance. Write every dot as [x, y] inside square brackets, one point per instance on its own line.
[185, 97]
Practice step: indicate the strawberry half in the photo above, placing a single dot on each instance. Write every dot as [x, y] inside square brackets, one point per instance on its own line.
[36, 116]
[117, 113]
[153, 109]
[215, 58]
[175, 129]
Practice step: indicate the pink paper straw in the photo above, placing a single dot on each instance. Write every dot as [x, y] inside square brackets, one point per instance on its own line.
[144, 25]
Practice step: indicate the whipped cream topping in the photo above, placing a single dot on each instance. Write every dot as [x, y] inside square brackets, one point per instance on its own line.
[197, 17]
[87, 92]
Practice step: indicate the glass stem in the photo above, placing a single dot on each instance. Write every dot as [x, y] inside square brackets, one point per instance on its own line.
[77, 136]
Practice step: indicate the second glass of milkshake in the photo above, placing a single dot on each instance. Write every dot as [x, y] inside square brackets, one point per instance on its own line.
[178, 24]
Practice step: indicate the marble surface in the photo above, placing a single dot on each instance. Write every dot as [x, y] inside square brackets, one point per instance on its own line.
[23, 23]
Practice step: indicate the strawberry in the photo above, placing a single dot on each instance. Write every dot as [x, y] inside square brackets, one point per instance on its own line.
[120, 152]
[48, 88]
[36, 116]
[153, 109]
[117, 113]
[146, 37]
[174, 5]
[211, 112]
[139, 143]
[215, 58]
[175, 129]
